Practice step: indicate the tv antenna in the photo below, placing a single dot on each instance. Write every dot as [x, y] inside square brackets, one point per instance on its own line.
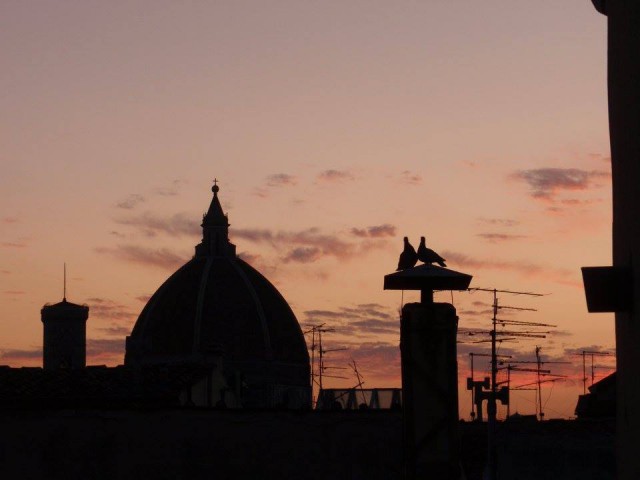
[318, 366]
[592, 354]
[492, 395]
[538, 362]
[506, 335]
[360, 380]
[473, 384]
[539, 376]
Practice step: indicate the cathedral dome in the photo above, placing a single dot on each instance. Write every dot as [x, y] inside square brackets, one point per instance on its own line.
[218, 306]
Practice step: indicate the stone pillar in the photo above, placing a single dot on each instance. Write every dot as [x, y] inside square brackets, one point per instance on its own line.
[430, 391]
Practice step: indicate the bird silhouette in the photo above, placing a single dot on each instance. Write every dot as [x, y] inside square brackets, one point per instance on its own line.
[428, 256]
[408, 257]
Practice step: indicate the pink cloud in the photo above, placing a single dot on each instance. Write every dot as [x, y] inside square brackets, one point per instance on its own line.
[103, 308]
[376, 231]
[524, 268]
[281, 180]
[310, 245]
[303, 255]
[499, 222]
[499, 237]
[132, 201]
[335, 176]
[362, 320]
[380, 360]
[101, 347]
[546, 183]
[171, 190]
[408, 177]
[180, 224]
[13, 244]
[114, 330]
[599, 157]
[162, 257]
[12, 356]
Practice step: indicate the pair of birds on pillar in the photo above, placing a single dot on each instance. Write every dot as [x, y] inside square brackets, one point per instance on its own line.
[409, 257]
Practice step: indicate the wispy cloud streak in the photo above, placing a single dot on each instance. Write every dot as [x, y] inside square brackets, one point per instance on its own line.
[161, 257]
[281, 180]
[311, 245]
[546, 183]
[335, 176]
[500, 237]
[132, 201]
[408, 177]
[149, 224]
[499, 222]
[525, 268]
[376, 231]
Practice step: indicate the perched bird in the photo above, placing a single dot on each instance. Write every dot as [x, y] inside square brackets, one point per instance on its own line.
[408, 257]
[428, 256]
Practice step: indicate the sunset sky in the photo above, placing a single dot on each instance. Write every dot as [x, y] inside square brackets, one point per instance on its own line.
[335, 128]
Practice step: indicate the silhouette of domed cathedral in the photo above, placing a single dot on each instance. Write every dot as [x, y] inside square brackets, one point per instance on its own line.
[216, 333]
[216, 384]
[217, 306]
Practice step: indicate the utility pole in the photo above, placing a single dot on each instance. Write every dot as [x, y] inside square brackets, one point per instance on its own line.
[511, 368]
[320, 361]
[539, 381]
[539, 365]
[508, 387]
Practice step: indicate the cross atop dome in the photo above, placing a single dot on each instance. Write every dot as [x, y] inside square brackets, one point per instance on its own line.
[215, 216]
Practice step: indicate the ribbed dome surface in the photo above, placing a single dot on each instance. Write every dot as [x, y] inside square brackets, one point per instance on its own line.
[219, 311]
[220, 304]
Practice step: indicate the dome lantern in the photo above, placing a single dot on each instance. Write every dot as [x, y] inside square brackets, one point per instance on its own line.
[215, 230]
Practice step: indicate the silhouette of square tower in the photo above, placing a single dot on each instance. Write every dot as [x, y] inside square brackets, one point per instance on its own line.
[65, 335]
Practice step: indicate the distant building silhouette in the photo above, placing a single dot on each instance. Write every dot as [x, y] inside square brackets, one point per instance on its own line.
[167, 386]
[215, 340]
[600, 402]
[64, 332]
[216, 334]
[359, 399]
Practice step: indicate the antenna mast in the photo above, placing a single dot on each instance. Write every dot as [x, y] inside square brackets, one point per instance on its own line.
[539, 364]
[492, 407]
[584, 353]
[317, 372]
[360, 381]
[64, 283]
